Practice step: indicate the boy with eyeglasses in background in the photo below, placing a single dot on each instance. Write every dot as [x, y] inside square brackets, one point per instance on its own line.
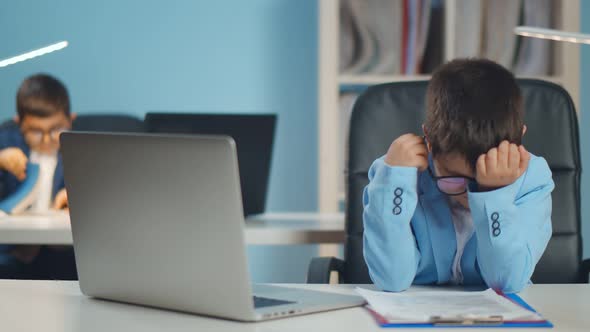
[466, 203]
[43, 113]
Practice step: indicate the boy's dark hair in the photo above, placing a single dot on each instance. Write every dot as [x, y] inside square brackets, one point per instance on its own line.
[42, 95]
[471, 106]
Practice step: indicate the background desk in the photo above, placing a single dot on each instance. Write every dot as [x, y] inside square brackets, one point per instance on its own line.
[58, 306]
[269, 228]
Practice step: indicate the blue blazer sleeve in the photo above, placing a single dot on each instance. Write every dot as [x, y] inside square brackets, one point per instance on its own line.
[10, 136]
[513, 227]
[390, 249]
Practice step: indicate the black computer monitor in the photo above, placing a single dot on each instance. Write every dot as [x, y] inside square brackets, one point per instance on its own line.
[253, 134]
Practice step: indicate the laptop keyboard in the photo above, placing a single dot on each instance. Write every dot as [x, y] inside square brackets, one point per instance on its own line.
[261, 302]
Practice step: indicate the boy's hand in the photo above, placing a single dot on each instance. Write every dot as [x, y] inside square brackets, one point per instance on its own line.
[501, 166]
[408, 150]
[14, 161]
[61, 200]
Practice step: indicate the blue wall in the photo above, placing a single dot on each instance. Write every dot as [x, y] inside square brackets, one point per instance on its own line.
[220, 56]
[585, 125]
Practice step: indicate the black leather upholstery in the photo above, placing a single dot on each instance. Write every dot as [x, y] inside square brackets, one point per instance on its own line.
[384, 112]
[98, 122]
[108, 123]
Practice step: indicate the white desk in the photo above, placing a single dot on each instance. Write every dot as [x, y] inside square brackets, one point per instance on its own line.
[58, 306]
[269, 228]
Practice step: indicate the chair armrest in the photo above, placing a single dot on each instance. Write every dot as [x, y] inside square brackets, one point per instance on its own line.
[320, 269]
[585, 270]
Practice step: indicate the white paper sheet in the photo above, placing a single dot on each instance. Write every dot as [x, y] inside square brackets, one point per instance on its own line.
[422, 306]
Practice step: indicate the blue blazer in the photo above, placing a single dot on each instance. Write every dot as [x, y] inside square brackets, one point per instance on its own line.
[10, 136]
[409, 236]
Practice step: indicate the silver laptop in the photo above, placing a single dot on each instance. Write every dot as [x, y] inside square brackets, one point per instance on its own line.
[157, 220]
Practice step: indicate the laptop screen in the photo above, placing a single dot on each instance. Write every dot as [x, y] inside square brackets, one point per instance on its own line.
[253, 134]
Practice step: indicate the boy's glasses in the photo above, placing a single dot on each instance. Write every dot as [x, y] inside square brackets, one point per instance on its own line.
[36, 135]
[452, 185]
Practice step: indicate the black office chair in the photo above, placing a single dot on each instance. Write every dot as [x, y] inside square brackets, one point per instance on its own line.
[108, 122]
[384, 112]
[98, 122]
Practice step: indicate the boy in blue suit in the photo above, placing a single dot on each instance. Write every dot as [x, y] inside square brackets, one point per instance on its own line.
[43, 112]
[466, 203]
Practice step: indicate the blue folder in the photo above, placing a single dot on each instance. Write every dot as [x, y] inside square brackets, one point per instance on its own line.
[515, 298]
[24, 195]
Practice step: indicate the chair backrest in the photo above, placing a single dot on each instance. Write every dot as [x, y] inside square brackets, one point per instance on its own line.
[108, 122]
[384, 112]
[98, 122]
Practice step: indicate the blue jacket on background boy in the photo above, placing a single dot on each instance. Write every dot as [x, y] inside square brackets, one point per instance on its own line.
[11, 136]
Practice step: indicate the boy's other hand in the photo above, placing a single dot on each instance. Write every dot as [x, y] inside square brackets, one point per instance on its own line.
[408, 150]
[61, 200]
[501, 166]
[14, 161]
